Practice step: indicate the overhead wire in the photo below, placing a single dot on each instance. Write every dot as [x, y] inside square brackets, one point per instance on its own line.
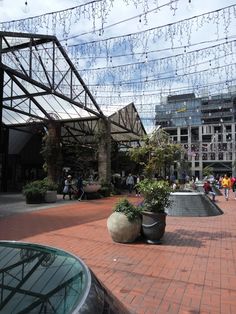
[154, 28]
[122, 21]
[152, 60]
[226, 40]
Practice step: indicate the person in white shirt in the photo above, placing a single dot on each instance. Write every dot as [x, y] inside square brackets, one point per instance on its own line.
[130, 183]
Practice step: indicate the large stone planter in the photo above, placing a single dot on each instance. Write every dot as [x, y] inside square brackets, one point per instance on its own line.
[50, 197]
[121, 229]
[153, 226]
[92, 188]
[34, 198]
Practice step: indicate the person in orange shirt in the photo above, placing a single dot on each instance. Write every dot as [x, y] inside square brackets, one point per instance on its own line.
[226, 185]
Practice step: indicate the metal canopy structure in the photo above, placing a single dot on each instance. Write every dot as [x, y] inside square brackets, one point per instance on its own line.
[39, 83]
[126, 127]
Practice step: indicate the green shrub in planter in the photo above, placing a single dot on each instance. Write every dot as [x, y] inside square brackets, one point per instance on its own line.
[131, 211]
[49, 184]
[34, 192]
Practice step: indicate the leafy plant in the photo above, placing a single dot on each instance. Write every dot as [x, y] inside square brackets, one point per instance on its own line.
[34, 191]
[34, 187]
[207, 171]
[39, 187]
[131, 211]
[49, 184]
[157, 153]
[156, 194]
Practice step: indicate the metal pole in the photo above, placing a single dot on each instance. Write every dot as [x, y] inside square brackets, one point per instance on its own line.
[1, 126]
[1, 89]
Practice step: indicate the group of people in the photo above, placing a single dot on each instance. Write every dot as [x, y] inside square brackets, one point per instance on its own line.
[73, 188]
[226, 183]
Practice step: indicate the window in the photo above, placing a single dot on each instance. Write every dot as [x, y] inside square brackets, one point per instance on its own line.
[204, 156]
[212, 156]
[184, 131]
[221, 156]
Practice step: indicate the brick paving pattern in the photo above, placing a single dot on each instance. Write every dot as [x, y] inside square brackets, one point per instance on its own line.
[193, 271]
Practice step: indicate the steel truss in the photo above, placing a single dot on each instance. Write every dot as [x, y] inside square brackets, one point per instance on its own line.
[40, 83]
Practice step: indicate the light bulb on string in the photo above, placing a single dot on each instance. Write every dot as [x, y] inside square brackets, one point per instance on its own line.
[190, 5]
[26, 7]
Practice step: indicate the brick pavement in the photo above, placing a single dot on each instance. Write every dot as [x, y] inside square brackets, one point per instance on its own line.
[193, 271]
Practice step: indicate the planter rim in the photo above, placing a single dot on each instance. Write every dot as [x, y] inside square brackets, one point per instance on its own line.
[151, 213]
[186, 193]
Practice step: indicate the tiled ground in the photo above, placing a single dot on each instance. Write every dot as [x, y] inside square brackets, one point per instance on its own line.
[193, 271]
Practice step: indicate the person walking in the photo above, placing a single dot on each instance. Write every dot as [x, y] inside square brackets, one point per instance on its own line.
[233, 185]
[80, 188]
[67, 187]
[226, 184]
[130, 182]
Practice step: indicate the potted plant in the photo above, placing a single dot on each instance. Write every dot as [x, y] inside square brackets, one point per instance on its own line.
[34, 192]
[156, 156]
[124, 224]
[156, 194]
[39, 191]
[50, 190]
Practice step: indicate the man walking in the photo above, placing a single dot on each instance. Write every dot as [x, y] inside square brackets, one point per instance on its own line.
[226, 184]
[130, 183]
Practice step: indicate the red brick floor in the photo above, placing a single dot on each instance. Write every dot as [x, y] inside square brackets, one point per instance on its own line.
[193, 271]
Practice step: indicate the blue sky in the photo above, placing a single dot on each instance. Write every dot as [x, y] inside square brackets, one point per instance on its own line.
[143, 68]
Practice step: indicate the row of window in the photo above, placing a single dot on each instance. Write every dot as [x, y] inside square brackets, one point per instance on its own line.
[214, 156]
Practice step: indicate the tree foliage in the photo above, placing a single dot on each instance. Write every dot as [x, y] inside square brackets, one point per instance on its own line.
[156, 153]
[207, 171]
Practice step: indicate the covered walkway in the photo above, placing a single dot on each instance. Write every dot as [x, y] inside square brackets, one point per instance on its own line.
[193, 271]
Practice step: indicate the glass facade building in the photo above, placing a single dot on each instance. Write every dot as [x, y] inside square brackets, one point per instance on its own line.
[205, 127]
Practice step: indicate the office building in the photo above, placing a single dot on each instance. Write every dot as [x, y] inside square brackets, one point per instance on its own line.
[205, 127]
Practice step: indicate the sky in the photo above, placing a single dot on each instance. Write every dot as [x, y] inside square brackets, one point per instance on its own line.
[125, 51]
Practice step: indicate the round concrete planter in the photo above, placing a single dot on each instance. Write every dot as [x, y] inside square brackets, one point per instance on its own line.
[50, 196]
[92, 188]
[121, 229]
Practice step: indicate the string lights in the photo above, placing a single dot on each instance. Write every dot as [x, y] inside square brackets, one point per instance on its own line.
[26, 7]
[128, 67]
[59, 22]
[180, 32]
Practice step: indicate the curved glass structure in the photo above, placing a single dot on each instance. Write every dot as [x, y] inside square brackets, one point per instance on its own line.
[41, 279]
